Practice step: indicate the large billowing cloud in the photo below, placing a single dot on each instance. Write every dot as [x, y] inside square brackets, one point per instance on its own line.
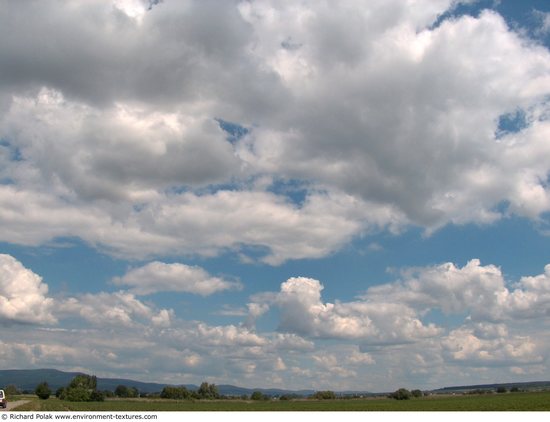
[477, 290]
[303, 312]
[23, 295]
[381, 114]
[500, 324]
[409, 116]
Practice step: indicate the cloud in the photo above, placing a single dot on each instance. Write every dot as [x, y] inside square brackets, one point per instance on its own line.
[359, 358]
[544, 22]
[383, 115]
[462, 345]
[403, 119]
[531, 297]
[386, 118]
[303, 312]
[477, 290]
[23, 295]
[160, 277]
[381, 339]
[190, 223]
[119, 309]
[118, 153]
[453, 290]
[231, 311]
[398, 313]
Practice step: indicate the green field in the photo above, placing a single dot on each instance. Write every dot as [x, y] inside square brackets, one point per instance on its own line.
[536, 401]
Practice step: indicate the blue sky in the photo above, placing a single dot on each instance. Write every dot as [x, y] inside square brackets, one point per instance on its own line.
[277, 194]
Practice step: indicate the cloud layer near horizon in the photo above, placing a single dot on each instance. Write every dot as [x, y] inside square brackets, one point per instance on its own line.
[114, 134]
[498, 326]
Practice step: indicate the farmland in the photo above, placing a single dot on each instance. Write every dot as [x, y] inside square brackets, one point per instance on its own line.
[531, 401]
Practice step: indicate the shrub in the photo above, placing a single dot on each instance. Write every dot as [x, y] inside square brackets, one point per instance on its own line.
[96, 395]
[324, 395]
[43, 391]
[416, 393]
[126, 392]
[11, 390]
[175, 393]
[77, 394]
[401, 394]
[257, 395]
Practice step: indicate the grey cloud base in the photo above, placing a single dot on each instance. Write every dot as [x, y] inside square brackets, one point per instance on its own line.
[391, 116]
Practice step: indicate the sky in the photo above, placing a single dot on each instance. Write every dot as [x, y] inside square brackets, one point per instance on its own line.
[298, 194]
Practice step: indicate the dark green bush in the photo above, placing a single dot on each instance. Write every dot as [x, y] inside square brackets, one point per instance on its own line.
[43, 391]
[401, 394]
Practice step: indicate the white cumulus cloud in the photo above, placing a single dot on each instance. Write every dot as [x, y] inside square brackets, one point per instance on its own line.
[160, 277]
[23, 295]
[302, 311]
[119, 309]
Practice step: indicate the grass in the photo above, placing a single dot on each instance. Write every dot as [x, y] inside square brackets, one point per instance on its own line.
[533, 401]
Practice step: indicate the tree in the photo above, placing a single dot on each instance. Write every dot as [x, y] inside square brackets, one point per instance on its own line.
[126, 392]
[77, 394]
[97, 395]
[84, 381]
[401, 394]
[82, 388]
[11, 390]
[43, 391]
[417, 393]
[502, 390]
[324, 395]
[208, 391]
[175, 393]
[258, 395]
[289, 397]
[121, 391]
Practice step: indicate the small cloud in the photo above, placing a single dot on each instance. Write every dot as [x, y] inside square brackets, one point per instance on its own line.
[375, 247]
[543, 20]
[228, 310]
[160, 277]
[517, 370]
[358, 358]
[245, 259]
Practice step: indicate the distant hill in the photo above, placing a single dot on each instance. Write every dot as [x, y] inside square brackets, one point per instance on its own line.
[534, 385]
[28, 379]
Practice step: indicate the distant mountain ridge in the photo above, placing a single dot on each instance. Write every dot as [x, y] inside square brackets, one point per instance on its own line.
[531, 385]
[28, 379]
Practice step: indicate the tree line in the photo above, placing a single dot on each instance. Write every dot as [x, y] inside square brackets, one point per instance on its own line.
[84, 388]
